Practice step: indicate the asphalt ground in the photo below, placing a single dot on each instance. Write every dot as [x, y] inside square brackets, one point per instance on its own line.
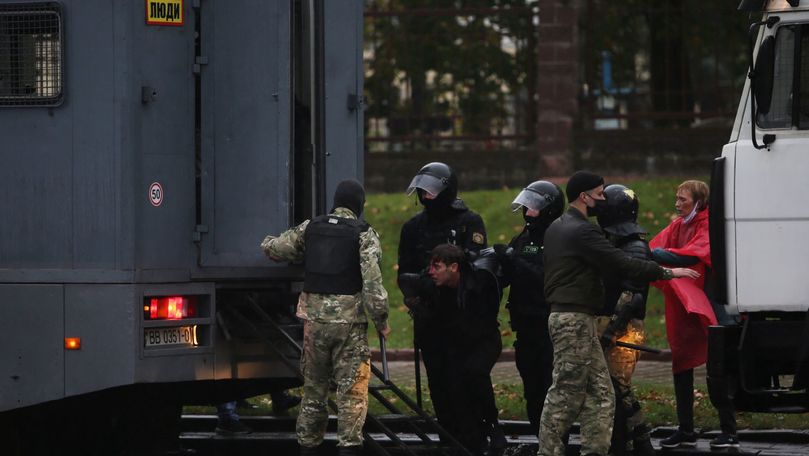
[652, 369]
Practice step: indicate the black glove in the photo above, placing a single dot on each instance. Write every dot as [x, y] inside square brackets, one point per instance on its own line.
[410, 284]
[503, 252]
[417, 308]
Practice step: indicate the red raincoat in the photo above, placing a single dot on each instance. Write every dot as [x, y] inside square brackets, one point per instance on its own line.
[688, 310]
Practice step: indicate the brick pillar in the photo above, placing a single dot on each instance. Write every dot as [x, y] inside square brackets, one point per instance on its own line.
[557, 84]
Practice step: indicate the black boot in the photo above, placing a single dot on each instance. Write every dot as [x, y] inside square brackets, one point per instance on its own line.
[643, 447]
[310, 451]
[282, 401]
[497, 440]
[349, 451]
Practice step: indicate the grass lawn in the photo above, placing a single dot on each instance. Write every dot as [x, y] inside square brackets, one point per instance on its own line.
[387, 212]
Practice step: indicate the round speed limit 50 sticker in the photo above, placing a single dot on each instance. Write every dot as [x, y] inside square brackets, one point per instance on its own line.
[156, 194]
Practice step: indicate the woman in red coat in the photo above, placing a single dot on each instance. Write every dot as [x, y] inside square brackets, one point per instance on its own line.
[685, 243]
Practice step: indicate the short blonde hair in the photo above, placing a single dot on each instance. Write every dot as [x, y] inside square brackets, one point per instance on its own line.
[699, 192]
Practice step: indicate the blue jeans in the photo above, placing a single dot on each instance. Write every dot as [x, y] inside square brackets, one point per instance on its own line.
[227, 411]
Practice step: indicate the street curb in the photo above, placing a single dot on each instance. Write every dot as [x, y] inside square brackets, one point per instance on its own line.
[406, 354]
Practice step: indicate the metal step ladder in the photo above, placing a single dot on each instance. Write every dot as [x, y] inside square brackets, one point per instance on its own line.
[432, 437]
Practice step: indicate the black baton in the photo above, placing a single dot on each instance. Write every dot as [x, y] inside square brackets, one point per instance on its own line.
[385, 375]
[417, 359]
[642, 348]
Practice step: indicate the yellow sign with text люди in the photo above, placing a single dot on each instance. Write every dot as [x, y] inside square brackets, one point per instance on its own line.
[164, 12]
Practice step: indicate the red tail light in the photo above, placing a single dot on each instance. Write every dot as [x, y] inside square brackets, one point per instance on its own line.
[170, 307]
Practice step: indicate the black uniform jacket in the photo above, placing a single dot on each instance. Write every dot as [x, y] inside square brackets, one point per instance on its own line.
[576, 256]
[422, 233]
[526, 274]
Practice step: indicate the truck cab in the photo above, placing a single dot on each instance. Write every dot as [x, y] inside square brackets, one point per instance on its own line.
[759, 357]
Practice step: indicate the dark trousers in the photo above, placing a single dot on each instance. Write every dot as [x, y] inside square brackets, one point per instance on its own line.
[472, 394]
[435, 354]
[722, 390]
[684, 394]
[533, 353]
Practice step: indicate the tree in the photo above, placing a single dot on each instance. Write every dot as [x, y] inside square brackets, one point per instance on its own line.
[444, 65]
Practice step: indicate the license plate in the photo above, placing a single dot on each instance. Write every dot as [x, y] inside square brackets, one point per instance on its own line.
[166, 337]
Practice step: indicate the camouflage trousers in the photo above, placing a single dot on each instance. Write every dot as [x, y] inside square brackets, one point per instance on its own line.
[581, 387]
[334, 353]
[630, 424]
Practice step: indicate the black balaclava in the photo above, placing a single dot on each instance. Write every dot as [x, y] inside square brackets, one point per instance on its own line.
[536, 225]
[351, 195]
[441, 206]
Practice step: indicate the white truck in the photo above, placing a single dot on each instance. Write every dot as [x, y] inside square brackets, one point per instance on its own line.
[760, 223]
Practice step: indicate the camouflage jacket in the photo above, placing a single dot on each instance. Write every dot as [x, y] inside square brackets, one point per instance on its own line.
[331, 308]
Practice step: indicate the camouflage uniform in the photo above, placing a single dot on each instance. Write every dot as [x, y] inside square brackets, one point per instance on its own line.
[335, 339]
[581, 387]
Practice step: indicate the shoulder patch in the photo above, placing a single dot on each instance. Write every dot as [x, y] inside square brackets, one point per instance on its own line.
[478, 238]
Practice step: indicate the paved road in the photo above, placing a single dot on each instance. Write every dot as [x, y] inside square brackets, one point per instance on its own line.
[654, 372]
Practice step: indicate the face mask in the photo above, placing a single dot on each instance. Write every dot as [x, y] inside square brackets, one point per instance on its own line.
[599, 208]
[691, 216]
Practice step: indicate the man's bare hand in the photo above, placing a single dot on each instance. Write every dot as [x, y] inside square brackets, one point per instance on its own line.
[684, 272]
[385, 332]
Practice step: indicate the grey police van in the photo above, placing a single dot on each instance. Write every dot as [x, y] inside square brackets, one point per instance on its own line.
[146, 148]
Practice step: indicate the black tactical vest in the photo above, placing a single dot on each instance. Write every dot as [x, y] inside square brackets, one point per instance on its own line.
[332, 257]
[526, 294]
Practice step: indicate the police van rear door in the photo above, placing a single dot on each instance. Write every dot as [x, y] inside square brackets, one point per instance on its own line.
[244, 121]
[280, 119]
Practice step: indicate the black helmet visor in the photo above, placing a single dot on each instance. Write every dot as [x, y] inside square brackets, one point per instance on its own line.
[530, 199]
[430, 184]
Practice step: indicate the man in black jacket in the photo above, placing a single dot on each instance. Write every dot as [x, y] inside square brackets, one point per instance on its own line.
[576, 256]
[466, 297]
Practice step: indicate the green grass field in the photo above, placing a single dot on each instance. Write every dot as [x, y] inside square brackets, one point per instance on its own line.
[387, 212]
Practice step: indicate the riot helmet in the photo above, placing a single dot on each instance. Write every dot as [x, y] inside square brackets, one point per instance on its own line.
[542, 196]
[434, 178]
[621, 213]
[437, 179]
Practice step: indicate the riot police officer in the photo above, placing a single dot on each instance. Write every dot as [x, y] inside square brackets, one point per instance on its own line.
[541, 203]
[622, 319]
[445, 219]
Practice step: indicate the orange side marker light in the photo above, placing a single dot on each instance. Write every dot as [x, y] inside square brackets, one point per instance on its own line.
[72, 343]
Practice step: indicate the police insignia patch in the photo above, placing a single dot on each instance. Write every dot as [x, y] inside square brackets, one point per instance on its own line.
[477, 238]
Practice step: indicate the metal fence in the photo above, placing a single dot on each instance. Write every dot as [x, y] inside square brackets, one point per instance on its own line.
[665, 63]
[465, 78]
[450, 78]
